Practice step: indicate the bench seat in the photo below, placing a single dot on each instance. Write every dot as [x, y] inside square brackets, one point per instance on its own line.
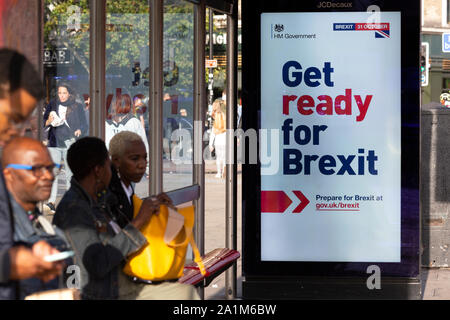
[215, 261]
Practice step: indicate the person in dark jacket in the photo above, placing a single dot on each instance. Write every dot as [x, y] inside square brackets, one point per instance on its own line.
[20, 89]
[29, 173]
[101, 246]
[129, 158]
[65, 121]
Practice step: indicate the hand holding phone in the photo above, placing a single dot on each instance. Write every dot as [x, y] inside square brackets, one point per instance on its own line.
[59, 256]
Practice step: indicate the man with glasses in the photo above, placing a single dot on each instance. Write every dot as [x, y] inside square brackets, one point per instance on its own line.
[20, 89]
[29, 173]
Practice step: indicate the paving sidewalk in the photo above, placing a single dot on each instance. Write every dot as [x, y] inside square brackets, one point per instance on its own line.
[215, 228]
[435, 283]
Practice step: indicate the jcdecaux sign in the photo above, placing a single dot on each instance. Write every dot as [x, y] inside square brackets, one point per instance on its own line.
[330, 87]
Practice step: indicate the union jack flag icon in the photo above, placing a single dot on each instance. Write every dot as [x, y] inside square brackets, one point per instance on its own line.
[382, 33]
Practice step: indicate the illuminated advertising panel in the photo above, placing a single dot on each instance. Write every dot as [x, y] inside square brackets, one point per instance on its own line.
[331, 91]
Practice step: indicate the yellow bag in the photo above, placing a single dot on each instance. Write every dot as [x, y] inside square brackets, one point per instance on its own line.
[159, 260]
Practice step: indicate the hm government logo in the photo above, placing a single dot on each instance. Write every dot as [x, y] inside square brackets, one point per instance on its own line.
[278, 28]
[276, 32]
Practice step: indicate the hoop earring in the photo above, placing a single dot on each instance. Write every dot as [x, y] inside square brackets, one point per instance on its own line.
[97, 184]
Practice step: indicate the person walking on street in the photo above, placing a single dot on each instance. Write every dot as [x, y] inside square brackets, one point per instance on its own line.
[65, 122]
[217, 138]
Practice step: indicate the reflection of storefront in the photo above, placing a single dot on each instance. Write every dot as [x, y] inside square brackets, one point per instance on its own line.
[434, 134]
[439, 72]
[435, 22]
[219, 41]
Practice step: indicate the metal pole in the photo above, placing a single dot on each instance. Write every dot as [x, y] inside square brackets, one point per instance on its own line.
[211, 74]
[155, 94]
[199, 120]
[211, 29]
[97, 40]
[40, 66]
[231, 172]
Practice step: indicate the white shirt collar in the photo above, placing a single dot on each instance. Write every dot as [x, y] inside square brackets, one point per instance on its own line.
[128, 190]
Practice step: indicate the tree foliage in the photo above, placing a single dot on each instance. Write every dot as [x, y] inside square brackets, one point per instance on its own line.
[127, 36]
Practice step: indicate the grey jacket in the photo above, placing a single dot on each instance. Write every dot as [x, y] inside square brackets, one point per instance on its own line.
[100, 253]
[27, 232]
[8, 288]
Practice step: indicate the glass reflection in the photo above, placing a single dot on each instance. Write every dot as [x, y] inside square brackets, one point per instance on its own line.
[127, 73]
[178, 107]
[66, 79]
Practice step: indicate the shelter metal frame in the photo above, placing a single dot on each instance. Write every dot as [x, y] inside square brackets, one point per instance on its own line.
[98, 115]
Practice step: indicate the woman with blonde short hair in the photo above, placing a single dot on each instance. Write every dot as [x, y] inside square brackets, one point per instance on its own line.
[129, 159]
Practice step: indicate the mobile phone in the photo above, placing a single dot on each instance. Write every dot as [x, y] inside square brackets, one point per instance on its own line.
[59, 256]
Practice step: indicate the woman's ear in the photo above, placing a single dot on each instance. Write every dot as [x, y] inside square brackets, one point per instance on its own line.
[116, 162]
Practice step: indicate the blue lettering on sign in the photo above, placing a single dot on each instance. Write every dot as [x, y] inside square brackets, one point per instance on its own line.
[292, 76]
[295, 162]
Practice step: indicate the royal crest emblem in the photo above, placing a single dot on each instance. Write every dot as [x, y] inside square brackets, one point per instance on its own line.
[279, 27]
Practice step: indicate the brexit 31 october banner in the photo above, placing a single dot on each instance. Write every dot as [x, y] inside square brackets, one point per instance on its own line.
[330, 87]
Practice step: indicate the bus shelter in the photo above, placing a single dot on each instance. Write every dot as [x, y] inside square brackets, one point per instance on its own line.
[138, 66]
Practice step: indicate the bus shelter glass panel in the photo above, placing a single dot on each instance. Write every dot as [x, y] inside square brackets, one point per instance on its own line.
[178, 102]
[127, 74]
[66, 79]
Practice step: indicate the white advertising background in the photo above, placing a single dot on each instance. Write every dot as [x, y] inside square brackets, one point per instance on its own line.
[368, 66]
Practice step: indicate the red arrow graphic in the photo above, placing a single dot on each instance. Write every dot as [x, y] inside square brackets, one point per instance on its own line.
[303, 202]
[274, 201]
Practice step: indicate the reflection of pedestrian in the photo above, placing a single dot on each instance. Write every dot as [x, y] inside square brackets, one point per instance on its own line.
[141, 111]
[170, 124]
[64, 118]
[184, 122]
[65, 121]
[182, 137]
[217, 139]
[137, 73]
[224, 95]
[239, 112]
[124, 121]
[87, 105]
